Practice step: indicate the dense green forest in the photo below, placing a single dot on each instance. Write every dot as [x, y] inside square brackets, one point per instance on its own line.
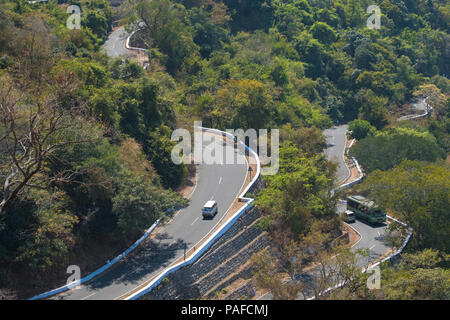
[96, 178]
[85, 139]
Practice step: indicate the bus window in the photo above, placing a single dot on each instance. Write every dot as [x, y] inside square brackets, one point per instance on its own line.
[352, 204]
[378, 213]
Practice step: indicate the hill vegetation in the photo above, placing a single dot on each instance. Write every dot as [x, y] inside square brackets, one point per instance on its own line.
[85, 139]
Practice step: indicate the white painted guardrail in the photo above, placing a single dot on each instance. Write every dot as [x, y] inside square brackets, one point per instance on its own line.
[127, 43]
[119, 257]
[410, 231]
[244, 147]
[216, 235]
[429, 109]
[196, 255]
[100, 270]
[361, 174]
[375, 264]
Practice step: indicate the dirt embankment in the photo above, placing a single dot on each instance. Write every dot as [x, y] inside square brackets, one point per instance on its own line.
[354, 173]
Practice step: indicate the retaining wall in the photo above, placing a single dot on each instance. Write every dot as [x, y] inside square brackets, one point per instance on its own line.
[219, 266]
[216, 235]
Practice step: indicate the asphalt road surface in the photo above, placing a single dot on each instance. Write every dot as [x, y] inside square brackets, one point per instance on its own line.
[115, 44]
[418, 107]
[336, 141]
[371, 235]
[371, 238]
[219, 182]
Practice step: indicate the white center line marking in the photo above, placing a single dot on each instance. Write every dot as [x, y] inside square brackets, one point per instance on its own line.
[194, 221]
[88, 296]
[372, 247]
[220, 180]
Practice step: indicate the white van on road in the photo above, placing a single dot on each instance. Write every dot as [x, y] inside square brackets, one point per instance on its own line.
[349, 216]
[209, 209]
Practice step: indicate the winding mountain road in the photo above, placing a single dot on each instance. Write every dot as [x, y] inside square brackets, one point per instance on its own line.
[371, 237]
[336, 141]
[419, 108]
[115, 44]
[219, 182]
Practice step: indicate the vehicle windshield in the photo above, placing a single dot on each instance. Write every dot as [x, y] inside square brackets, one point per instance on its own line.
[378, 213]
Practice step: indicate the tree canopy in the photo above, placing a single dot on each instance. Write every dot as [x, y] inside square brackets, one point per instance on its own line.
[386, 149]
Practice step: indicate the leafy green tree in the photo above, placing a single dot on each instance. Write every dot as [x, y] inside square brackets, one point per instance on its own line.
[365, 55]
[291, 16]
[373, 108]
[298, 194]
[210, 29]
[419, 284]
[159, 147]
[387, 149]
[125, 69]
[205, 108]
[142, 108]
[417, 194]
[104, 107]
[138, 204]
[310, 140]
[250, 14]
[329, 16]
[89, 72]
[323, 32]
[279, 72]
[312, 52]
[97, 23]
[51, 240]
[360, 129]
[406, 73]
[246, 104]
[165, 29]
[354, 13]
[419, 276]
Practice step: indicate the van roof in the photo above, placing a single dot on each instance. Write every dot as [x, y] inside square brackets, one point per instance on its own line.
[209, 204]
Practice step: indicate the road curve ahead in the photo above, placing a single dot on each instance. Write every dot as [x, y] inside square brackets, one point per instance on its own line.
[115, 44]
[371, 236]
[336, 140]
[419, 108]
[219, 182]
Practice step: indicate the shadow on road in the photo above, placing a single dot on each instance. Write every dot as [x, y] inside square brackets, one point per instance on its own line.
[150, 257]
[373, 226]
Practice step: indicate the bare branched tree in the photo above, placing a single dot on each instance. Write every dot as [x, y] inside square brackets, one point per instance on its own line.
[31, 131]
[307, 267]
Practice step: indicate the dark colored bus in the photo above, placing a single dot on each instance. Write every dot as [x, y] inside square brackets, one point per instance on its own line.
[365, 209]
